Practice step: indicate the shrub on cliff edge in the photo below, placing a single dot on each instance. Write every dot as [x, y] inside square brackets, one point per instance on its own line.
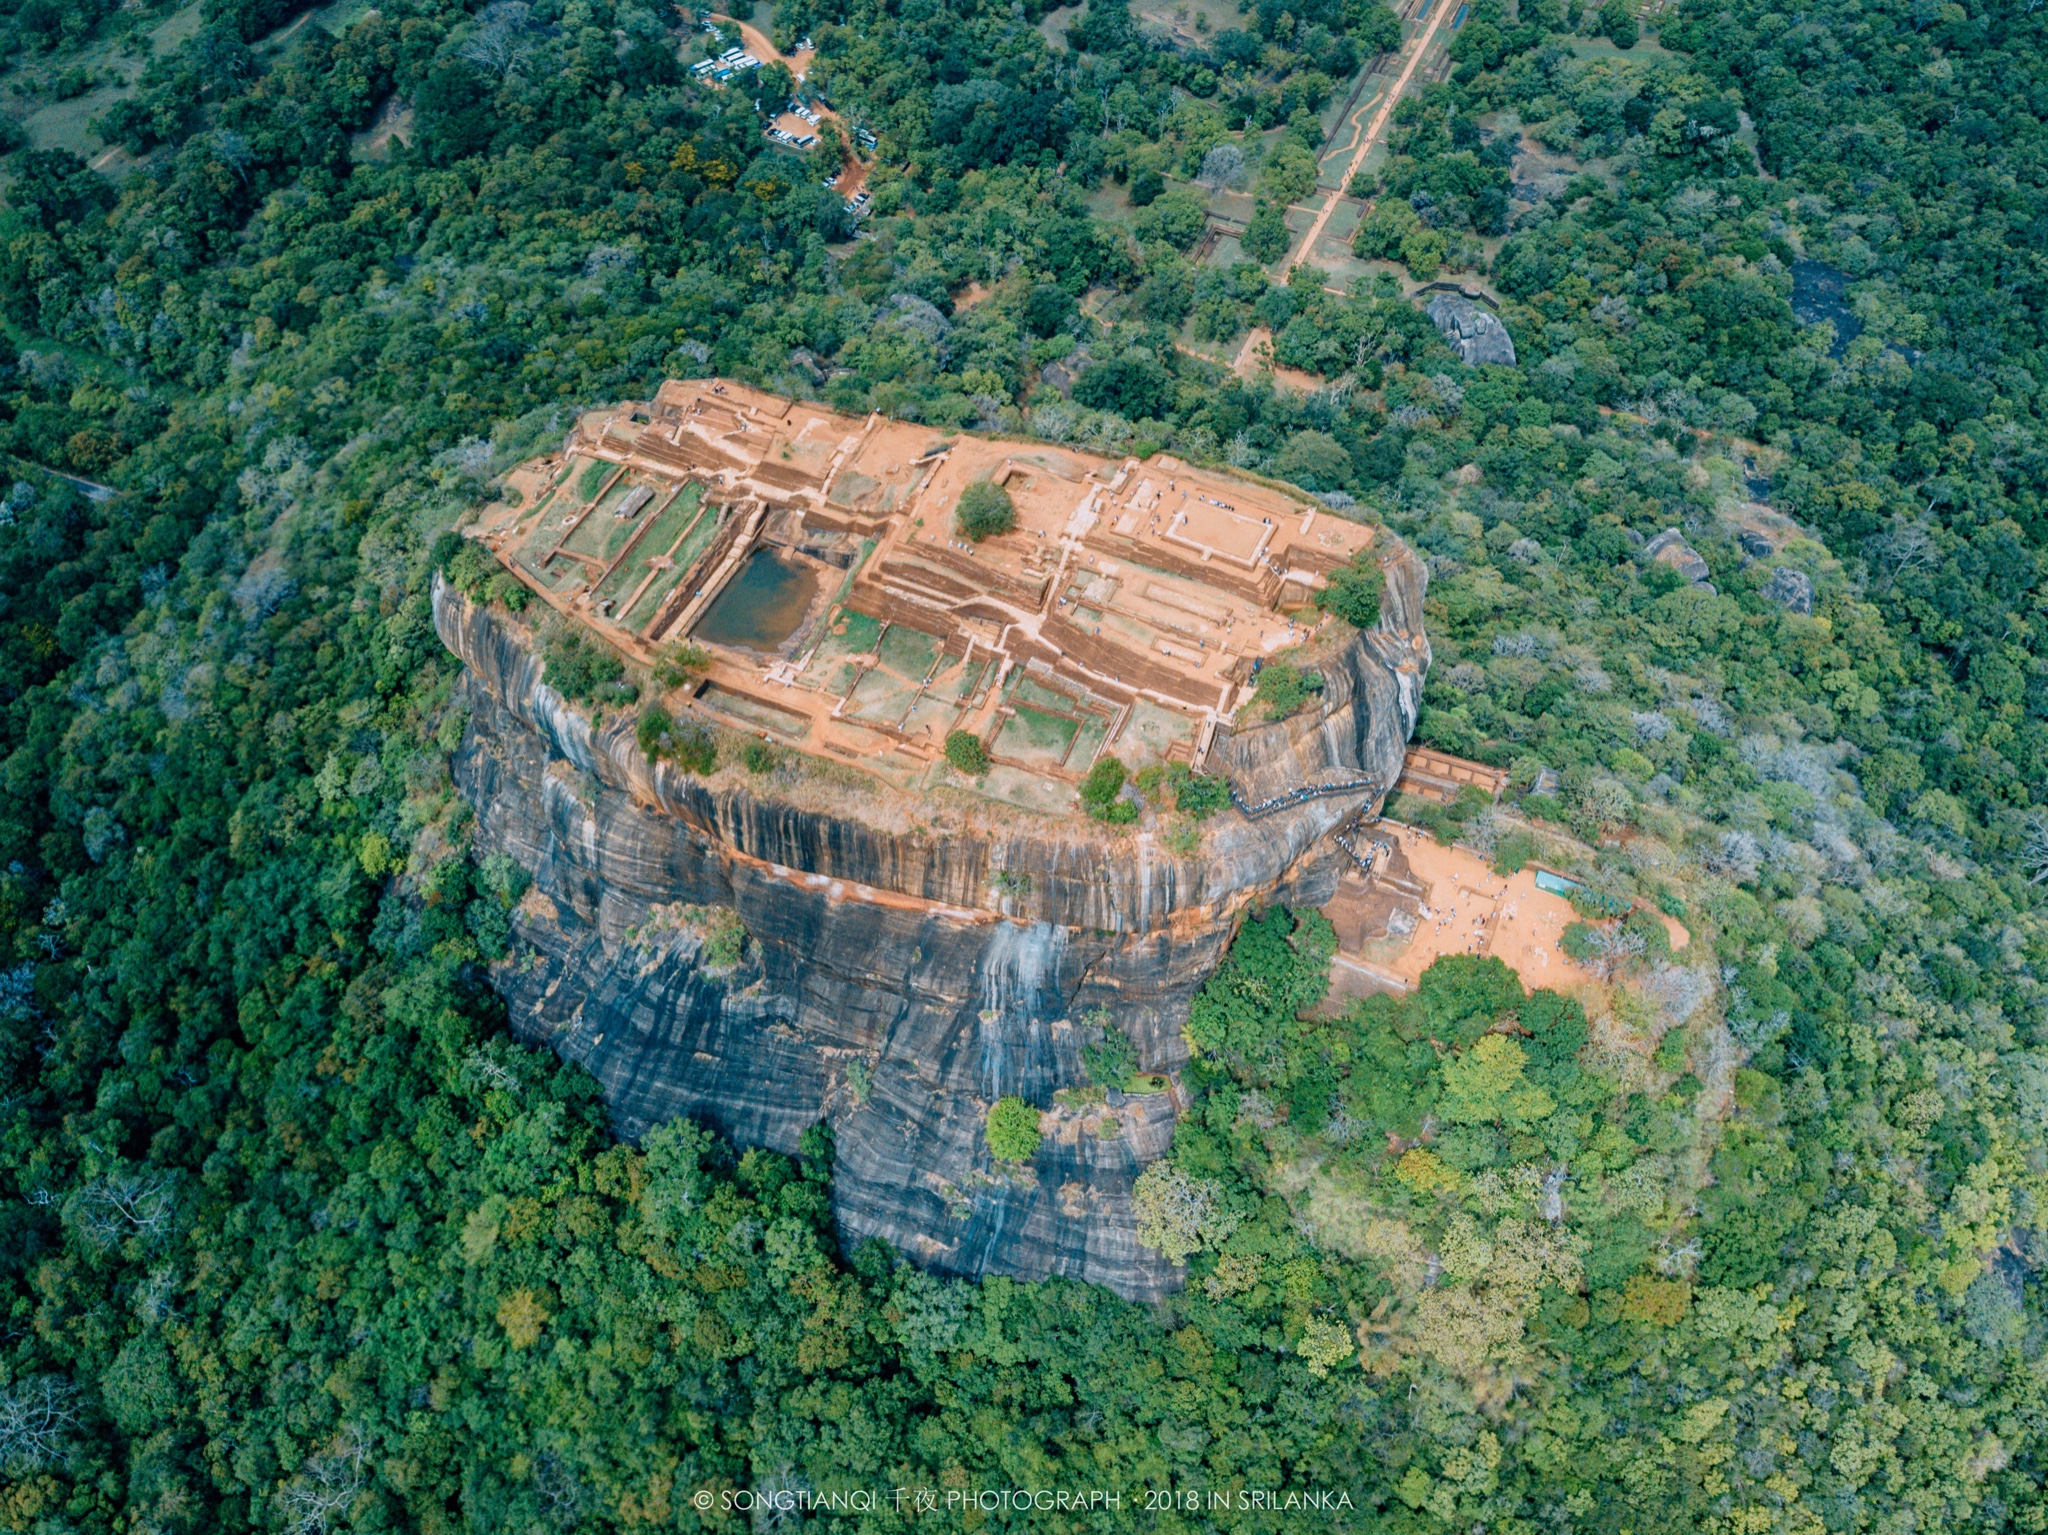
[1282, 689]
[724, 935]
[1353, 594]
[690, 747]
[586, 670]
[1102, 791]
[1013, 1130]
[679, 663]
[471, 570]
[721, 932]
[1200, 795]
[1110, 1060]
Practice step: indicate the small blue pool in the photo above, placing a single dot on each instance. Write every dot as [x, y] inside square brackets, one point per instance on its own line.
[1555, 884]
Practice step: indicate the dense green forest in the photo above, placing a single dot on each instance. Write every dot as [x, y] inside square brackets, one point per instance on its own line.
[294, 1237]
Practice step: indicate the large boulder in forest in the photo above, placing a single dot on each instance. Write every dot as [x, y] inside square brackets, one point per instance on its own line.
[1475, 331]
[1670, 548]
[1063, 373]
[1790, 589]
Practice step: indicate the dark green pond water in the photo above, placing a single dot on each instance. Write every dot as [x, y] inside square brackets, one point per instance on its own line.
[761, 606]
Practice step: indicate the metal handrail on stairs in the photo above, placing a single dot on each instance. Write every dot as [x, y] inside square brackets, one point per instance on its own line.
[1258, 811]
[1342, 836]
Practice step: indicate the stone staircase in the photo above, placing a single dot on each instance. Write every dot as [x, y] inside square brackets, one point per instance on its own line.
[1260, 809]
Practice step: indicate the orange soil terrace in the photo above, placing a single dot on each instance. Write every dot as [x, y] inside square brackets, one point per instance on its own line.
[814, 555]
[1424, 900]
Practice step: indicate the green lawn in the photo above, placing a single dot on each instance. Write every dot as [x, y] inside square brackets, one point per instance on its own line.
[830, 668]
[599, 535]
[699, 539]
[667, 527]
[908, 652]
[1033, 736]
[1027, 690]
[882, 696]
[969, 679]
[52, 124]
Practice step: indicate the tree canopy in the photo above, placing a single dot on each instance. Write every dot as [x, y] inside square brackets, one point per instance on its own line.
[1744, 1234]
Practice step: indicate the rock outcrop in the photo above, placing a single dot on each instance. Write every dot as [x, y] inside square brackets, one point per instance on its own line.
[1475, 331]
[898, 978]
[1821, 293]
[1670, 548]
[1790, 589]
[1064, 372]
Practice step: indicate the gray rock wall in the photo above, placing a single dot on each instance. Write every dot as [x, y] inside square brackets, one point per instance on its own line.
[893, 950]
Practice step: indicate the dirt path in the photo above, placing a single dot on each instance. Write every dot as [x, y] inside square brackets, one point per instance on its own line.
[756, 42]
[94, 491]
[1246, 364]
[1415, 55]
[853, 172]
[1412, 57]
[1353, 120]
[1249, 364]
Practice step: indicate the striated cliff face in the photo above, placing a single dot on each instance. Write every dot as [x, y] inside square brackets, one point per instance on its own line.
[889, 956]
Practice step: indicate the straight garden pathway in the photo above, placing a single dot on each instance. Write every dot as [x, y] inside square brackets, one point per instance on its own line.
[1412, 57]
[1415, 53]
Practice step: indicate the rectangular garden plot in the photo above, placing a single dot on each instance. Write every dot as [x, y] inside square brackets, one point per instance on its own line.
[638, 582]
[908, 653]
[599, 537]
[831, 668]
[1153, 734]
[1037, 737]
[881, 696]
[933, 712]
[746, 710]
[1027, 790]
